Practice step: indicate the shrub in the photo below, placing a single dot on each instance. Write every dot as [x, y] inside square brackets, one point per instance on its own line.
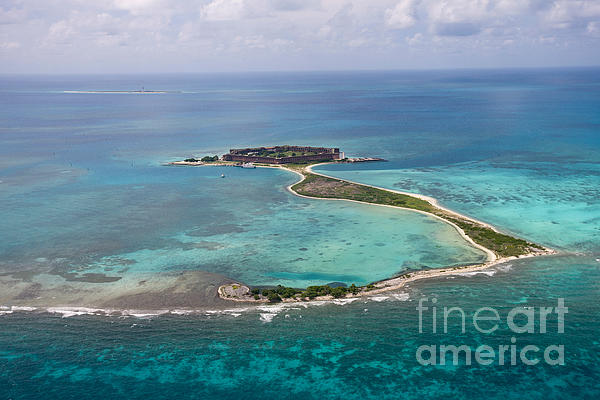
[274, 297]
[338, 292]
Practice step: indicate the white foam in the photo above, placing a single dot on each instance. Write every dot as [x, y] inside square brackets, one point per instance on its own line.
[236, 310]
[182, 312]
[504, 268]
[273, 309]
[145, 313]
[316, 303]
[342, 302]
[379, 298]
[473, 273]
[401, 296]
[22, 308]
[267, 317]
[270, 311]
[73, 311]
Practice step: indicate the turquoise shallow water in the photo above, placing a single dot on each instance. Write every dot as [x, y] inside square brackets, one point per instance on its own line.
[554, 203]
[83, 191]
[246, 227]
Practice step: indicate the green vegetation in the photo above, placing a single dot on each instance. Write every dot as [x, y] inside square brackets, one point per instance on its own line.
[320, 186]
[276, 294]
[499, 243]
[203, 159]
[314, 291]
[323, 187]
[274, 297]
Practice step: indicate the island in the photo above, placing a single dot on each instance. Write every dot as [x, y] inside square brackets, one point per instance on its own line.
[141, 91]
[498, 246]
[276, 156]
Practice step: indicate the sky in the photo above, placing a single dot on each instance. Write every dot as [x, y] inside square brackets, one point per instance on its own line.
[148, 36]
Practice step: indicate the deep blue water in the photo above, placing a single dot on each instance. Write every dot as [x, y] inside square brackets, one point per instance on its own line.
[83, 191]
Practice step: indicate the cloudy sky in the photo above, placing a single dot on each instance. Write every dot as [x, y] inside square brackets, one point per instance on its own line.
[63, 36]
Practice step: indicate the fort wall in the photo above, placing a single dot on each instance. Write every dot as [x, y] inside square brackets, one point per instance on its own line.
[246, 155]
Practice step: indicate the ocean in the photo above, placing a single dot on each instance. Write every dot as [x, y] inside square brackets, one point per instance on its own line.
[93, 220]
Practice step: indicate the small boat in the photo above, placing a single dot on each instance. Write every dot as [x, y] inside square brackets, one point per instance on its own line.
[248, 165]
[222, 175]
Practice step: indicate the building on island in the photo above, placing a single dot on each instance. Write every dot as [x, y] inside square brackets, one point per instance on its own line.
[283, 154]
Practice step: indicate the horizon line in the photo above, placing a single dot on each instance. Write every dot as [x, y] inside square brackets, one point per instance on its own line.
[283, 71]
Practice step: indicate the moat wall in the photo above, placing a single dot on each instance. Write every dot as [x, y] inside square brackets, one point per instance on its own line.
[325, 154]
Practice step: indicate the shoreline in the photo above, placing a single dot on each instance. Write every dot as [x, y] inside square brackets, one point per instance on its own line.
[144, 309]
[395, 283]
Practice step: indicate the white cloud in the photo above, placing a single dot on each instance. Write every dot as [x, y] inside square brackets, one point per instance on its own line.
[571, 13]
[224, 10]
[137, 6]
[402, 16]
[60, 31]
[219, 32]
[415, 39]
[9, 45]
[470, 17]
